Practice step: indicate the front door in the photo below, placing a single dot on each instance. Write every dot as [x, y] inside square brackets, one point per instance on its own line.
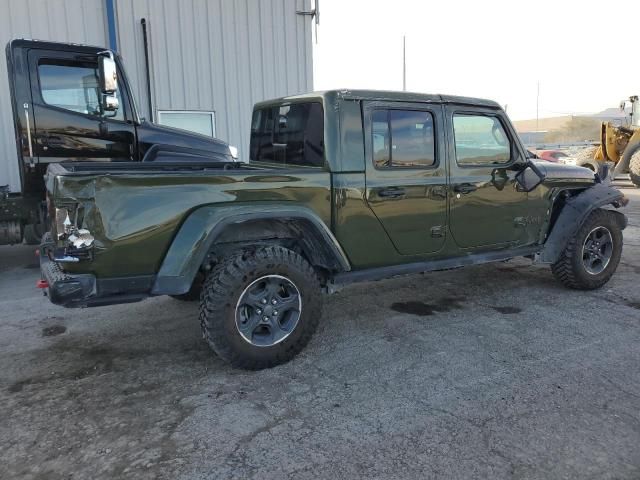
[486, 209]
[406, 173]
[68, 119]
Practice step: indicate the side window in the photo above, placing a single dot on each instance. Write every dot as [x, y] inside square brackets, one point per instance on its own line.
[381, 138]
[74, 88]
[288, 135]
[480, 140]
[402, 138]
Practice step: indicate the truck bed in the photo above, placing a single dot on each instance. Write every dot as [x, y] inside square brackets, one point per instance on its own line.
[134, 209]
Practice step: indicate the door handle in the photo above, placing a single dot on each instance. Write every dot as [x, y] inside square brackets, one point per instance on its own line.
[393, 192]
[465, 188]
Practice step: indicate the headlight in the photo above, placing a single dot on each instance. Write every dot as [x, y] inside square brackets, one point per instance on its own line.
[234, 152]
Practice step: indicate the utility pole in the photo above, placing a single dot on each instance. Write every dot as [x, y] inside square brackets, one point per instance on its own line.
[537, 108]
[404, 63]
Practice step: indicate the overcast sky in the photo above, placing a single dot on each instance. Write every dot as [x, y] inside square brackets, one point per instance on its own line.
[486, 48]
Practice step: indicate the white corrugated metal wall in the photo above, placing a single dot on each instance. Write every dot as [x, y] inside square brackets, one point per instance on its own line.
[76, 21]
[217, 55]
[209, 55]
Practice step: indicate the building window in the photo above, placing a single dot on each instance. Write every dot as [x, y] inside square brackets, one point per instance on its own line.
[288, 135]
[480, 140]
[203, 123]
[403, 138]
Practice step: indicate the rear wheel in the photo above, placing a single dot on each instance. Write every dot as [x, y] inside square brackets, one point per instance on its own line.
[591, 257]
[260, 308]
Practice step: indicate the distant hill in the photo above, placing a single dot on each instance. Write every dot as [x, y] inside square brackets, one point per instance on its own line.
[556, 123]
[543, 124]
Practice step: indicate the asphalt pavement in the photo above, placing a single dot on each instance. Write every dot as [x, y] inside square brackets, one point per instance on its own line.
[492, 371]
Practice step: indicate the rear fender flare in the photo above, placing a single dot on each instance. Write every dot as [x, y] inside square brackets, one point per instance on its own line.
[201, 229]
[574, 212]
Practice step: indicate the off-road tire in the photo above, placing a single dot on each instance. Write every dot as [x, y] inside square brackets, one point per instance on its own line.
[570, 270]
[194, 292]
[224, 286]
[585, 158]
[634, 168]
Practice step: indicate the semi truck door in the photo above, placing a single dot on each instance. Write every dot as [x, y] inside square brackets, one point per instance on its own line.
[486, 209]
[68, 120]
[406, 174]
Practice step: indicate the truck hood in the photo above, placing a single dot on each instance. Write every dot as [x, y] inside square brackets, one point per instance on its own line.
[558, 173]
[152, 134]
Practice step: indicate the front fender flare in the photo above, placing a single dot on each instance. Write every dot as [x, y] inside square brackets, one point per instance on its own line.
[203, 226]
[574, 212]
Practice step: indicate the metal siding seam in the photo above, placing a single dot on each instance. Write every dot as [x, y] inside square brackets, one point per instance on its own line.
[262, 76]
[167, 63]
[213, 84]
[284, 47]
[199, 79]
[183, 105]
[274, 69]
[83, 15]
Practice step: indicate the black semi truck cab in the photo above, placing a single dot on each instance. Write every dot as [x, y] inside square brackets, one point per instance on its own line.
[74, 103]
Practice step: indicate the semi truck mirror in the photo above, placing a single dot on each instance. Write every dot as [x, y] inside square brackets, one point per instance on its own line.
[107, 73]
[110, 103]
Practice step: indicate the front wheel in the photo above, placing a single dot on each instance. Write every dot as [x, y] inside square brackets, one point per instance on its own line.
[260, 307]
[592, 255]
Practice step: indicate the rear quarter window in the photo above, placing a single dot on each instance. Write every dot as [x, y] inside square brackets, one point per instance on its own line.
[288, 135]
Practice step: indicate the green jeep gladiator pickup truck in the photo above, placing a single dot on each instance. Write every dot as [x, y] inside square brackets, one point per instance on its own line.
[342, 186]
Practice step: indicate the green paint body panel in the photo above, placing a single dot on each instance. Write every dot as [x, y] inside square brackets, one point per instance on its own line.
[144, 222]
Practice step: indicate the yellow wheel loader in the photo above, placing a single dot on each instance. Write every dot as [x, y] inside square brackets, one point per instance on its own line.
[619, 145]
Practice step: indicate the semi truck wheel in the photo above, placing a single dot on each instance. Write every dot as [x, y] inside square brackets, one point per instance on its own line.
[634, 168]
[33, 233]
[260, 307]
[591, 257]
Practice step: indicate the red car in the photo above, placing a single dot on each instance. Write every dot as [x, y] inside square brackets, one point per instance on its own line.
[554, 156]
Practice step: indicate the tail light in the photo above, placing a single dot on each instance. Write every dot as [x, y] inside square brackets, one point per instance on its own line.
[67, 221]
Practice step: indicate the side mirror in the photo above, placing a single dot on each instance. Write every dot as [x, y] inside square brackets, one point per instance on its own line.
[108, 78]
[107, 73]
[529, 178]
[110, 103]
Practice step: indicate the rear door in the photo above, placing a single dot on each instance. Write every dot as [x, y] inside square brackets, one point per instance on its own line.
[406, 174]
[67, 116]
[486, 209]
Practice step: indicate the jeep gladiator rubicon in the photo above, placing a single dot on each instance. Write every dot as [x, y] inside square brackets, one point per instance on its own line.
[342, 186]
